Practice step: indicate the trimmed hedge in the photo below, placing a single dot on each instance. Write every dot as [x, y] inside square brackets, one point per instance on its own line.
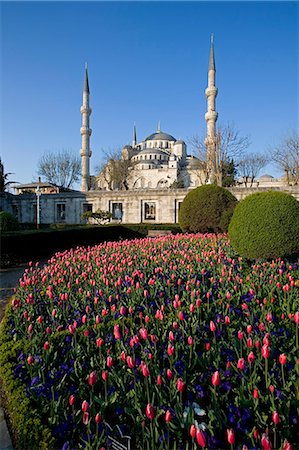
[266, 225]
[33, 245]
[207, 209]
[26, 425]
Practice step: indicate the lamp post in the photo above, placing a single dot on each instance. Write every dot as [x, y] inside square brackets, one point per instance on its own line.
[38, 194]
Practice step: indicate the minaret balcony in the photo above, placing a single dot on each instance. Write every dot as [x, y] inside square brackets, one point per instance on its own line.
[85, 152]
[85, 110]
[212, 90]
[211, 115]
[85, 130]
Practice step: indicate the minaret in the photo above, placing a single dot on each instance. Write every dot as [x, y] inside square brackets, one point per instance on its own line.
[85, 131]
[134, 142]
[211, 118]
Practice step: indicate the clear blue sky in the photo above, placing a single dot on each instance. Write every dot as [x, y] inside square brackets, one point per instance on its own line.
[147, 62]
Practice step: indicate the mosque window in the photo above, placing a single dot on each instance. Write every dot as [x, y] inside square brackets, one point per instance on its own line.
[117, 211]
[150, 211]
[60, 212]
[86, 207]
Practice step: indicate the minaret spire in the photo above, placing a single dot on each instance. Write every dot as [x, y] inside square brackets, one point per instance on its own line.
[159, 127]
[134, 142]
[211, 118]
[85, 132]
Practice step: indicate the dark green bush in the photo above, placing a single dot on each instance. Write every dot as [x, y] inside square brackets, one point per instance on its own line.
[8, 222]
[266, 225]
[207, 209]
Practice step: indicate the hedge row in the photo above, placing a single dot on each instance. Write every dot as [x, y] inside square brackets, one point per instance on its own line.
[25, 246]
[27, 428]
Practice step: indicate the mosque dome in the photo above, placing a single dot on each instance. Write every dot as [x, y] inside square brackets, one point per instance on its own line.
[160, 136]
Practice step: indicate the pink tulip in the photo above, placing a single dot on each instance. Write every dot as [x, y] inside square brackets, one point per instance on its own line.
[282, 359]
[168, 416]
[72, 400]
[250, 357]
[159, 380]
[241, 364]
[99, 342]
[212, 326]
[275, 417]
[117, 334]
[169, 374]
[170, 350]
[193, 431]
[109, 361]
[85, 406]
[105, 375]
[190, 340]
[265, 441]
[98, 418]
[265, 351]
[130, 362]
[85, 418]
[30, 360]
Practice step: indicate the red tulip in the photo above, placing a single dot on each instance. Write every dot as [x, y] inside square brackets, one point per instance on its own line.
[169, 374]
[145, 371]
[296, 317]
[193, 431]
[190, 340]
[230, 436]
[30, 360]
[240, 335]
[85, 406]
[265, 441]
[109, 361]
[105, 375]
[159, 380]
[168, 416]
[208, 346]
[216, 378]
[265, 351]
[72, 400]
[275, 417]
[170, 350]
[92, 378]
[212, 326]
[200, 437]
[250, 357]
[46, 345]
[143, 333]
[130, 362]
[181, 315]
[255, 393]
[241, 364]
[180, 385]
[98, 418]
[282, 359]
[116, 332]
[85, 418]
[150, 412]
[99, 342]
[249, 343]
[286, 445]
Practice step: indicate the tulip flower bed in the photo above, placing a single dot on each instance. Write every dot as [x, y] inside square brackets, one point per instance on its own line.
[176, 340]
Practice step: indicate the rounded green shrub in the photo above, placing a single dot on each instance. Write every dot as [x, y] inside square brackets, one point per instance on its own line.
[266, 225]
[207, 209]
[8, 222]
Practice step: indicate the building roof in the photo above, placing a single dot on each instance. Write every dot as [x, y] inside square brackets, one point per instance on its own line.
[34, 185]
[152, 151]
[160, 136]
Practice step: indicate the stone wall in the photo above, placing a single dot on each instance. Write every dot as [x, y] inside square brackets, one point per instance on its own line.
[148, 206]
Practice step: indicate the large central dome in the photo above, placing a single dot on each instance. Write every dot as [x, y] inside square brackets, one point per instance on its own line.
[160, 136]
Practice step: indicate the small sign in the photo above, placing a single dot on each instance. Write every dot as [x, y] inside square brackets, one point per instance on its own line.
[116, 440]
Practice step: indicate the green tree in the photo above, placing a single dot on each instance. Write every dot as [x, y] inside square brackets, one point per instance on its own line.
[4, 183]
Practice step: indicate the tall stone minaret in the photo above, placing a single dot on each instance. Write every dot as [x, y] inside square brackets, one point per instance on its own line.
[211, 118]
[85, 131]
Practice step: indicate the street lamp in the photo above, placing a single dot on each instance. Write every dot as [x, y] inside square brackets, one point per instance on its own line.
[38, 194]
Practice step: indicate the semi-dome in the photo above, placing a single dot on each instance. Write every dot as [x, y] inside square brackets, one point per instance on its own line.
[160, 136]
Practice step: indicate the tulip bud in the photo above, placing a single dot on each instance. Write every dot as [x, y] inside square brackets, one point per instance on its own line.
[200, 437]
[168, 416]
[190, 340]
[216, 378]
[72, 400]
[159, 380]
[85, 418]
[169, 374]
[230, 436]
[255, 393]
[30, 360]
[265, 441]
[98, 418]
[240, 335]
[150, 412]
[92, 378]
[85, 406]
[46, 345]
[193, 431]
[180, 385]
[282, 359]
[275, 417]
[212, 326]
[109, 361]
[105, 375]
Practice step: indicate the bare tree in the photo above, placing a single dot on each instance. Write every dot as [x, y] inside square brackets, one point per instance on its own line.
[116, 170]
[250, 166]
[62, 169]
[230, 146]
[286, 156]
[4, 183]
